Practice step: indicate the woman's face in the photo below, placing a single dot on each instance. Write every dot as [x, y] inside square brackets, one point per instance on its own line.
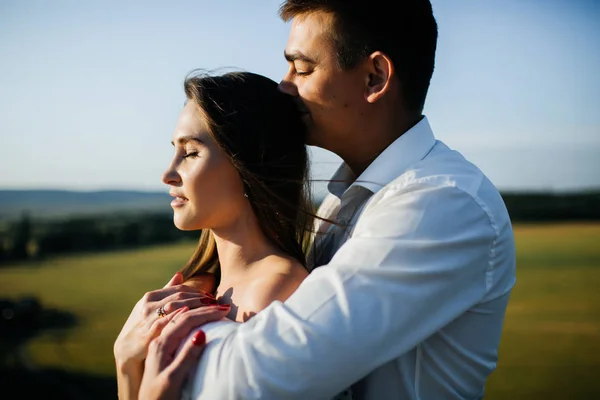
[207, 189]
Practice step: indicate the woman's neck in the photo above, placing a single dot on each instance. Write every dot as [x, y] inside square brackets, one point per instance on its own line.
[240, 246]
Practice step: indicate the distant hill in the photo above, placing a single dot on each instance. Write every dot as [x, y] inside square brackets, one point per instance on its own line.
[522, 206]
[59, 203]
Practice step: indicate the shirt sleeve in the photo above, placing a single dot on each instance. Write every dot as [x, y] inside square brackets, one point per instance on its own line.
[415, 262]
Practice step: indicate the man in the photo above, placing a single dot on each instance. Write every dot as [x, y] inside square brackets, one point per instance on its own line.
[421, 262]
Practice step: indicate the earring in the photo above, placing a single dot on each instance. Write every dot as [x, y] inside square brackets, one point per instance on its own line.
[246, 195]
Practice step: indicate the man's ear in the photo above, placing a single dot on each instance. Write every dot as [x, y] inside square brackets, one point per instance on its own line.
[380, 70]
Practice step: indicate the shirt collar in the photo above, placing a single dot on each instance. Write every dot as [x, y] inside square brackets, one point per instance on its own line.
[409, 148]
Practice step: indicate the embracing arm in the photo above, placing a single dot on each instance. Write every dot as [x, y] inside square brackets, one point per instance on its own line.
[412, 268]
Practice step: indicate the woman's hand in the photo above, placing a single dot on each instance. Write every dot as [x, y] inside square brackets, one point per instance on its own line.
[166, 369]
[145, 323]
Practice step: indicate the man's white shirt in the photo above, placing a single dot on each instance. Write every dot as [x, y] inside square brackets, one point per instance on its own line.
[411, 306]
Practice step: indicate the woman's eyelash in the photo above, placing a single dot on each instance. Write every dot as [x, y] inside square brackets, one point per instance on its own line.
[190, 154]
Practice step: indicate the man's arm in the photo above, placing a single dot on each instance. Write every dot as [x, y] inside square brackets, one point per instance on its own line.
[417, 262]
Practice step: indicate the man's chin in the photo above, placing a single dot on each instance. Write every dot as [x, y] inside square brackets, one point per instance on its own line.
[311, 137]
[315, 142]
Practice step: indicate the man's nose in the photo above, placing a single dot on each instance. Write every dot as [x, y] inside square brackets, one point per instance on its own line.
[288, 87]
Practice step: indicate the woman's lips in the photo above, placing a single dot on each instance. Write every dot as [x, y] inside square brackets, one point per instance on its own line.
[178, 201]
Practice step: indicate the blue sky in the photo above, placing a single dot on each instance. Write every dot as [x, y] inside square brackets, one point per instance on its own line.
[90, 90]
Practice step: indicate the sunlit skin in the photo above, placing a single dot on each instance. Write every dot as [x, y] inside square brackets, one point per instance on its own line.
[208, 194]
[352, 113]
[332, 97]
[207, 190]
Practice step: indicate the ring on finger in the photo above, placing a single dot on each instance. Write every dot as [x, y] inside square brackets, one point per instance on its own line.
[160, 311]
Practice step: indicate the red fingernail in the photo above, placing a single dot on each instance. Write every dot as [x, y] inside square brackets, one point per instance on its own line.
[199, 338]
[223, 307]
[182, 309]
[208, 301]
[179, 310]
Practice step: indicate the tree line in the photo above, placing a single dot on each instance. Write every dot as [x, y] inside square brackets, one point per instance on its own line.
[27, 238]
[539, 207]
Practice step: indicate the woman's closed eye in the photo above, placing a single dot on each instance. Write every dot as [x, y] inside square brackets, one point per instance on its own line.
[191, 154]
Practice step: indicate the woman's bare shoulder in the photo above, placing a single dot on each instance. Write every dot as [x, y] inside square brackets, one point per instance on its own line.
[277, 282]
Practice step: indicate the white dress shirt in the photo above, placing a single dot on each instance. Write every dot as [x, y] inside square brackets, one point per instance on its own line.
[411, 306]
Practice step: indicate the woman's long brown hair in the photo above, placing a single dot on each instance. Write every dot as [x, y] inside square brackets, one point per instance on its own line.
[260, 129]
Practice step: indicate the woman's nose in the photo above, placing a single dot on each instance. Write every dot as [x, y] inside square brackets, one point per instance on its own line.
[170, 176]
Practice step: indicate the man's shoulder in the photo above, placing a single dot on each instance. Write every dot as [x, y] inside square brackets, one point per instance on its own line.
[444, 175]
[443, 168]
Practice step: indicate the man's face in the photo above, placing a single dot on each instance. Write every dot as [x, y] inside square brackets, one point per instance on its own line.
[332, 98]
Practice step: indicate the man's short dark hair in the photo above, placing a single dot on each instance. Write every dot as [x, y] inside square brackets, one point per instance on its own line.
[405, 30]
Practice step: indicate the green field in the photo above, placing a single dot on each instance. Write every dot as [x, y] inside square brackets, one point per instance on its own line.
[550, 347]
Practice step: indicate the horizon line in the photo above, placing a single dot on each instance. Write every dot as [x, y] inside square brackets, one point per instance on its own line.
[166, 192]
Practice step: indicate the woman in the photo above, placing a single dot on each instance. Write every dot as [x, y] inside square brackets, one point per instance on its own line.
[239, 174]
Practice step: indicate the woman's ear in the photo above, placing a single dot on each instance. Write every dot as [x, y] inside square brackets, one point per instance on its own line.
[380, 70]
